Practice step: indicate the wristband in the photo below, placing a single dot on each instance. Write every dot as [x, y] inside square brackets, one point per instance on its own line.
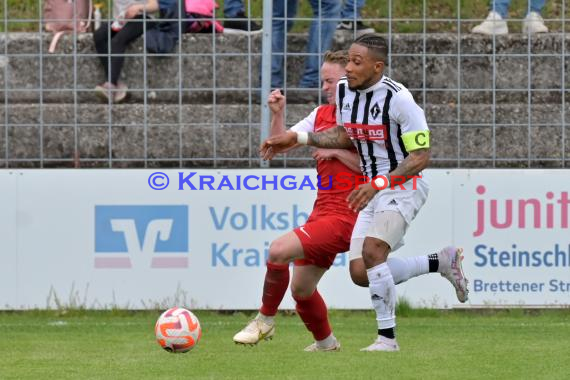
[302, 138]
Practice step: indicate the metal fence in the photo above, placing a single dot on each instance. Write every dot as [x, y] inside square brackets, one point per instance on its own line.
[491, 101]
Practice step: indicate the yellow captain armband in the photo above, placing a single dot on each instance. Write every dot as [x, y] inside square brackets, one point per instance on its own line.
[416, 140]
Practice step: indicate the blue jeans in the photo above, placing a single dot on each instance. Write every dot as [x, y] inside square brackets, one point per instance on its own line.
[164, 4]
[321, 33]
[233, 7]
[502, 6]
[350, 12]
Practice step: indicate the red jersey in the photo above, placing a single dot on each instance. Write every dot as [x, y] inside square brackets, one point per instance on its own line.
[329, 227]
[342, 177]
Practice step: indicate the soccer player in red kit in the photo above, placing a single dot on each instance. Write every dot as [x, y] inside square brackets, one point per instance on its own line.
[312, 247]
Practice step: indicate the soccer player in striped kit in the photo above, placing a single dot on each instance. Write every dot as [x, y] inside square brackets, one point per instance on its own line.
[381, 119]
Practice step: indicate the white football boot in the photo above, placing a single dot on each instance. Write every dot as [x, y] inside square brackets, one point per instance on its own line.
[533, 23]
[383, 344]
[314, 348]
[450, 259]
[493, 24]
[255, 331]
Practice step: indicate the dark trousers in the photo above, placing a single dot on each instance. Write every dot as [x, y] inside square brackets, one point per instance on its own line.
[119, 42]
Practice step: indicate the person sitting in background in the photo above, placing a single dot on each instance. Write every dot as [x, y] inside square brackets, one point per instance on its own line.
[237, 22]
[351, 15]
[124, 29]
[496, 23]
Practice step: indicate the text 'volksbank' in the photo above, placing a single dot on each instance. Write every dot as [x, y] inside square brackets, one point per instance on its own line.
[257, 217]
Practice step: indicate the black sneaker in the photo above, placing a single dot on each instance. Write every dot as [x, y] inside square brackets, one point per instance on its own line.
[240, 24]
[349, 26]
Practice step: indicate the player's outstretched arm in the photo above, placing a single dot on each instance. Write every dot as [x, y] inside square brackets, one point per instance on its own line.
[278, 144]
[331, 138]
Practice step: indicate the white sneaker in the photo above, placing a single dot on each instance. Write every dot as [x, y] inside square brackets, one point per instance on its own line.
[383, 344]
[314, 348]
[450, 260]
[255, 331]
[358, 28]
[533, 23]
[493, 24]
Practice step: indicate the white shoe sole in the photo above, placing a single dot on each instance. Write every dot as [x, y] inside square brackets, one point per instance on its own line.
[242, 32]
[385, 349]
[540, 30]
[496, 31]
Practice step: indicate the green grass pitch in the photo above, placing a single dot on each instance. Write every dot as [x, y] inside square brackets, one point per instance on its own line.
[511, 344]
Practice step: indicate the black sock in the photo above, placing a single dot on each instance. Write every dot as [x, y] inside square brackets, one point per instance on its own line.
[433, 262]
[387, 333]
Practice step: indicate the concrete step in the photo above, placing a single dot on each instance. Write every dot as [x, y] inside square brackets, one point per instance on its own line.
[198, 135]
[193, 73]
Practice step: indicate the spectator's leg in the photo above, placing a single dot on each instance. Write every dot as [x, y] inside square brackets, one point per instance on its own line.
[130, 32]
[291, 13]
[278, 39]
[536, 6]
[101, 39]
[351, 10]
[320, 38]
[359, 6]
[501, 7]
[233, 7]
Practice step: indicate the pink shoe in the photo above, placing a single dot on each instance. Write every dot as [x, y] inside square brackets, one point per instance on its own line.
[105, 91]
[450, 267]
[120, 92]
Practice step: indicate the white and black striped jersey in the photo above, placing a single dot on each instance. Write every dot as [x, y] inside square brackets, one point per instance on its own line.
[375, 120]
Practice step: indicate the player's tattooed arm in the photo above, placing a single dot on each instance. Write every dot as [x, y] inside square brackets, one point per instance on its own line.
[331, 138]
[413, 164]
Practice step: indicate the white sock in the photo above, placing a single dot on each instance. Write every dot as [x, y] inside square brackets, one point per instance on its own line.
[408, 267]
[265, 318]
[329, 341]
[383, 295]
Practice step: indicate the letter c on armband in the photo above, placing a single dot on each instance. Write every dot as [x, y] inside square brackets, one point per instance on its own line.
[416, 140]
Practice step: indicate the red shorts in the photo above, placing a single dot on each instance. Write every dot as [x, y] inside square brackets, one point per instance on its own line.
[323, 236]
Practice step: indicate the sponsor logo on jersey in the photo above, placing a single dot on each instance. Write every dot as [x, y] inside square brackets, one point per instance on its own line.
[366, 132]
[305, 232]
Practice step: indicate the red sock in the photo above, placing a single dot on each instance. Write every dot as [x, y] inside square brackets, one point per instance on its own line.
[274, 288]
[313, 312]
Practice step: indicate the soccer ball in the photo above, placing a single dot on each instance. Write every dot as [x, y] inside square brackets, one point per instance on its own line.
[177, 330]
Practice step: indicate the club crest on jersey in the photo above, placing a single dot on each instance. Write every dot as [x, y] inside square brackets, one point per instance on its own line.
[375, 111]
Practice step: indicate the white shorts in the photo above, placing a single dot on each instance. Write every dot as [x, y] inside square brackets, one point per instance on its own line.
[375, 221]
